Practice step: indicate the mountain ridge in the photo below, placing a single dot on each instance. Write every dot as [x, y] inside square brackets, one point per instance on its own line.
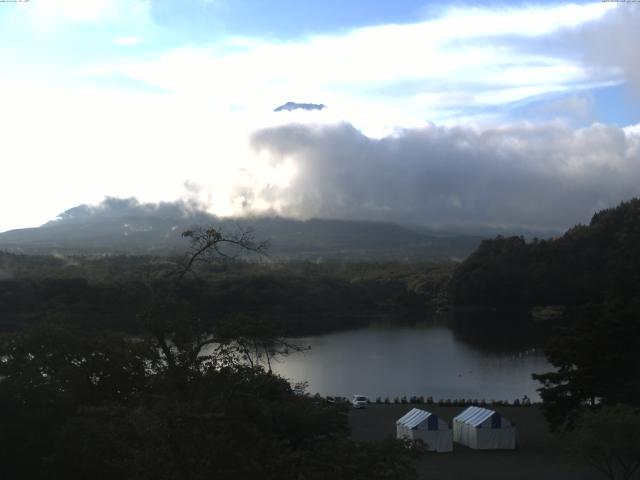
[128, 226]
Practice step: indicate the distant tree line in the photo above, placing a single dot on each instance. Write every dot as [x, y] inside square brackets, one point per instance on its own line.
[302, 298]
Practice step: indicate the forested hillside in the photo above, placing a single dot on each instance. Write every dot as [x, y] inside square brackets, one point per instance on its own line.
[589, 264]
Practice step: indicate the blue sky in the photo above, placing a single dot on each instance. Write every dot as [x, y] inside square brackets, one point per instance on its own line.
[290, 19]
[283, 18]
[102, 96]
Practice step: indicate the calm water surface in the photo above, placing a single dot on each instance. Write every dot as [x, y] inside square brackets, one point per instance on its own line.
[429, 360]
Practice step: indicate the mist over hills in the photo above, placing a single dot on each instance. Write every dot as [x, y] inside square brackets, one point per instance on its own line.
[128, 226]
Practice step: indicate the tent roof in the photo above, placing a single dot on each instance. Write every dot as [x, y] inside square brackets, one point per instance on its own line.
[414, 418]
[474, 416]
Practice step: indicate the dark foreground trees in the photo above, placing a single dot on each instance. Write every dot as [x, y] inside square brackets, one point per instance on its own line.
[608, 439]
[592, 399]
[78, 406]
[187, 400]
[596, 362]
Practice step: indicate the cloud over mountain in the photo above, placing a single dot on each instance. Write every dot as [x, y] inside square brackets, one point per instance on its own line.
[520, 176]
[148, 112]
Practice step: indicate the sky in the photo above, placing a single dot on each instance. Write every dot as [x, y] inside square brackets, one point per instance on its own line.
[465, 115]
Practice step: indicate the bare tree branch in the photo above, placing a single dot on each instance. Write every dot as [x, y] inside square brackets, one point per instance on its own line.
[208, 244]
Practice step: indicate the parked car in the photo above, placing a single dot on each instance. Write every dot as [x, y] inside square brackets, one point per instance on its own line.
[359, 401]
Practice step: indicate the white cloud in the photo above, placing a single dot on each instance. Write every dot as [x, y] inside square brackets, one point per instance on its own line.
[74, 10]
[46, 15]
[614, 43]
[62, 148]
[386, 76]
[126, 41]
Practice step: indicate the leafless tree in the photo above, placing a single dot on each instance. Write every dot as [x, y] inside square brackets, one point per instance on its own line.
[211, 244]
[186, 343]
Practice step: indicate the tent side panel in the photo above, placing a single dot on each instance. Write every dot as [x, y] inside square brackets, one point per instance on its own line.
[457, 431]
[429, 437]
[436, 440]
[445, 441]
[401, 431]
[472, 437]
[497, 438]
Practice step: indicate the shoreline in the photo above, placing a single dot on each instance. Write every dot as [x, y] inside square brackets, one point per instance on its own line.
[416, 401]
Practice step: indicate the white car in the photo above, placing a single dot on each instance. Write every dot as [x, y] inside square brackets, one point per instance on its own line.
[359, 401]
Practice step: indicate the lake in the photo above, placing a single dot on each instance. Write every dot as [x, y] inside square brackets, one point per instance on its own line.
[429, 359]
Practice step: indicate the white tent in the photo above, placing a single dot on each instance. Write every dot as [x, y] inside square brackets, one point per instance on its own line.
[421, 425]
[484, 429]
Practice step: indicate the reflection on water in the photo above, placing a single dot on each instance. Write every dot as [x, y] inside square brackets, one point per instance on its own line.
[493, 332]
[425, 359]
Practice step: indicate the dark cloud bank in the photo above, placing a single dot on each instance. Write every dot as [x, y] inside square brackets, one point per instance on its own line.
[517, 177]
